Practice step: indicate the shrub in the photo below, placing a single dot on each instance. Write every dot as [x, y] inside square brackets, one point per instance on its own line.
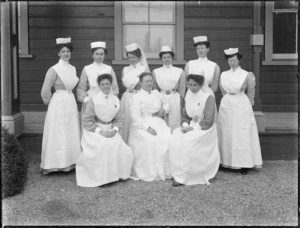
[14, 164]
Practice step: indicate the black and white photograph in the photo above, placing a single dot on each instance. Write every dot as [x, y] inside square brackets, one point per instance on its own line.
[149, 113]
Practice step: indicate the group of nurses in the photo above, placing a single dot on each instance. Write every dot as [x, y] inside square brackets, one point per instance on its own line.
[160, 129]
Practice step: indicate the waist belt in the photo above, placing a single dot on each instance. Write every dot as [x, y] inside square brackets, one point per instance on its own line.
[168, 92]
[104, 123]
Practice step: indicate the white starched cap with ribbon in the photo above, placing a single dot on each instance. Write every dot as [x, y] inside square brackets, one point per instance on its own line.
[165, 48]
[198, 39]
[63, 40]
[231, 51]
[131, 47]
[98, 44]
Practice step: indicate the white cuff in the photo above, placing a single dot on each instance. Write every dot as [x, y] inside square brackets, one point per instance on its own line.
[116, 128]
[97, 130]
[145, 126]
[185, 124]
[86, 99]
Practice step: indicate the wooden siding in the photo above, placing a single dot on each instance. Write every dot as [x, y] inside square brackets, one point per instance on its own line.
[84, 22]
[279, 84]
[226, 24]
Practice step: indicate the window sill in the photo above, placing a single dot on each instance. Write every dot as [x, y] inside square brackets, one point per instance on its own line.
[280, 62]
[150, 62]
[26, 56]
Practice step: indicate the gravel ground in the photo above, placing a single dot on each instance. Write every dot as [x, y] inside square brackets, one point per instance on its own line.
[265, 197]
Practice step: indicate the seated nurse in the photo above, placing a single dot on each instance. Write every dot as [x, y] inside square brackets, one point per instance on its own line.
[105, 157]
[149, 134]
[193, 147]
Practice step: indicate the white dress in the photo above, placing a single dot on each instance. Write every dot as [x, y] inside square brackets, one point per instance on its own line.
[130, 79]
[150, 152]
[194, 155]
[61, 135]
[88, 85]
[103, 160]
[207, 68]
[238, 136]
[172, 84]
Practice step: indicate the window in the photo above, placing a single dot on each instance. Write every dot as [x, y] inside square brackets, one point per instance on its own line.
[281, 32]
[23, 29]
[151, 25]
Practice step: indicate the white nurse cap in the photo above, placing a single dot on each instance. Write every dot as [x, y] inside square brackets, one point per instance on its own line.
[98, 44]
[231, 51]
[63, 40]
[131, 47]
[165, 49]
[198, 39]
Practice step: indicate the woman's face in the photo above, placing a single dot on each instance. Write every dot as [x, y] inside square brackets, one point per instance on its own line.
[234, 62]
[202, 50]
[105, 86]
[166, 59]
[133, 59]
[193, 86]
[99, 55]
[147, 83]
[64, 54]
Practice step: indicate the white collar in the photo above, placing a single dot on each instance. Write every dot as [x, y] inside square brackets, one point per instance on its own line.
[145, 92]
[168, 67]
[63, 62]
[136, 65]
[202, 59]
[234, 70]
[98, 64]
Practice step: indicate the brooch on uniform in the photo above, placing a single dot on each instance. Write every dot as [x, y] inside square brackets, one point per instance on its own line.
[115, 106]
[199, 104]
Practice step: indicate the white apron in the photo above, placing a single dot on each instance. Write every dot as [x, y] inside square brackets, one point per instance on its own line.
[150, 153]
[238, 136]
[194, 155]
[167, 79]
[103, 160]
[61, 136]
[205, 67]
[130, 80]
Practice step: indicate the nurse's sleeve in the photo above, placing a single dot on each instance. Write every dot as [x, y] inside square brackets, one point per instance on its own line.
[155, 85]
[49, 81]
[89, 118]
[208, 113]
[182, 85]
[250, 80]
[135, 112]
[115, 87]
[221, 87]
[82, 86]
[184, 116]
[186, 69]
[216, 76]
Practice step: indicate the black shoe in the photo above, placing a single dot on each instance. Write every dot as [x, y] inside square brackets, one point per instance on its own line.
[176, 184]
[244, 171]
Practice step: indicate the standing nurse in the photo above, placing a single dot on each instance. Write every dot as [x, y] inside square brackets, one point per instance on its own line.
[61, 136]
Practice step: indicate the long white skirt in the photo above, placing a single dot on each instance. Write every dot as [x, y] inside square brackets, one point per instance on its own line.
[194, 156]
[174, 116]
[61, 136]
[125, 107]
[103, 160]
[150, 153]
[238, 136]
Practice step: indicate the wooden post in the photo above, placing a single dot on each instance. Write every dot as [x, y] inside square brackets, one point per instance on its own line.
[256, 40]
[12, 118]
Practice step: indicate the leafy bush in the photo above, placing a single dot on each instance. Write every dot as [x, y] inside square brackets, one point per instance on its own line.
[14, 164]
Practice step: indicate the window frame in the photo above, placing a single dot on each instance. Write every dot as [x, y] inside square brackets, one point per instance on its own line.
[23, 29]
[179, 34]
[270, 57]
